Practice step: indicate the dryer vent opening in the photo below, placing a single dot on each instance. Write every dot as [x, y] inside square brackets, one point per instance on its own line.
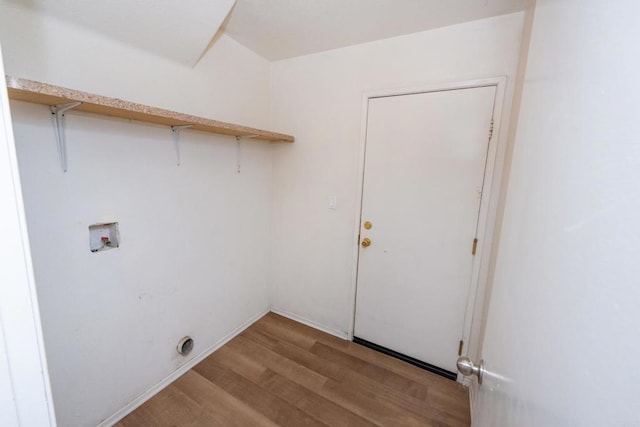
[185, 346]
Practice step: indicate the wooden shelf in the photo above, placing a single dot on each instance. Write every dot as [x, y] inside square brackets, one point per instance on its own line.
[42, 93]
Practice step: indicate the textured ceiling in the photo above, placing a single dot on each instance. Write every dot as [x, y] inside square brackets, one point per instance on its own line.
[278, 29]
[178, 30]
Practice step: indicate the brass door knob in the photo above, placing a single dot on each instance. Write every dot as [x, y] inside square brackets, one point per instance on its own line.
[366, 242]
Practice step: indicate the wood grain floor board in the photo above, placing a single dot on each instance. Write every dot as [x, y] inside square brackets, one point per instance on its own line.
[296, 394]
[443, 394]
[229, 410]
[168, 408]
[441, 390]
[315, 404]
[285, 367]
[281, 373]
[271, 406]
[369, 370]
[380, 359]
[378, 409]
[375, 388]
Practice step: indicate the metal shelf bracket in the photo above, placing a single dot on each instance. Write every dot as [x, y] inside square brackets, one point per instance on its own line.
[175, 132]
[239, 149]
[57, 114]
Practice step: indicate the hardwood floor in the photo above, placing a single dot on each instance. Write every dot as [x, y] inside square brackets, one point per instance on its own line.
[282, 373]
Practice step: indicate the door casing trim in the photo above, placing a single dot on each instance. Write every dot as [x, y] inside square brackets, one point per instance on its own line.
[493, 181]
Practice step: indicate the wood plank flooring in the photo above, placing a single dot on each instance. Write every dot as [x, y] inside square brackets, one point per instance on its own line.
[281, 373]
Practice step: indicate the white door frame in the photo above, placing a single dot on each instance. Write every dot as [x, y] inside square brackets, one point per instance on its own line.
[488, 207]
[25, 391]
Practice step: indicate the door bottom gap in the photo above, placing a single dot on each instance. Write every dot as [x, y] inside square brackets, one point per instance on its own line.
[415, 362]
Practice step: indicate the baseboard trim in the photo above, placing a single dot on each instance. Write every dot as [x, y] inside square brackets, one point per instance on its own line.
[340, 334]
[138, 401]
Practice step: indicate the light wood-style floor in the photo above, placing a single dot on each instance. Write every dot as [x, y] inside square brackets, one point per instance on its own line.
[281, 373]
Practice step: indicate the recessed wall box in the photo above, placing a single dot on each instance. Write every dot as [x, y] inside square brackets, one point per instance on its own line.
[103, 237]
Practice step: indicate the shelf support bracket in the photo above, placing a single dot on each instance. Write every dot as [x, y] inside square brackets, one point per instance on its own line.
[239, 149]
[175, 133]
[57, 114]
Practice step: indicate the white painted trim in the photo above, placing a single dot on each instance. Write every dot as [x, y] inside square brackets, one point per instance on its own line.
[28, 388]
[435, 87]
[358, 213]
[138, 401]
[473, 396]
[488, 208]
[315, 325]
[466, 381]
[486, 222]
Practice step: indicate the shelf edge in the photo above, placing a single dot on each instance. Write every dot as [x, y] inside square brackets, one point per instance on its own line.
[43, 93]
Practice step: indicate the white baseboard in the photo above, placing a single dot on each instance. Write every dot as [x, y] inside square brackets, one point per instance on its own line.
[138, 401]
[311, 323]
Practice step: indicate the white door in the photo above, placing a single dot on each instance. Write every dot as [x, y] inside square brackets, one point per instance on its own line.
[562, 342]
[423, 176]
[25, 393]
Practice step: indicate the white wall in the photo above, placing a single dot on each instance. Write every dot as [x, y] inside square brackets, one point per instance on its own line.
[194, 253]
[231, 83]
[562, 332]
[318, 98]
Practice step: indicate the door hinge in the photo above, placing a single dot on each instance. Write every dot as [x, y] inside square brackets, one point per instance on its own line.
[460, 348]
[491, 129]
[475, 246]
